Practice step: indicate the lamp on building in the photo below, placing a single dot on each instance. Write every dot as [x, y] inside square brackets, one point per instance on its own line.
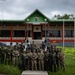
[27, 20]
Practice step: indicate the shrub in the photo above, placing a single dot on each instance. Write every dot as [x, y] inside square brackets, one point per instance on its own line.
[10, 70]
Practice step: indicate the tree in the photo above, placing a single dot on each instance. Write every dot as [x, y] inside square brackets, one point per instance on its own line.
[65, 16]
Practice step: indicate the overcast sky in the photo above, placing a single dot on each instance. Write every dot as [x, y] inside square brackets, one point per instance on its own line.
[20, 9]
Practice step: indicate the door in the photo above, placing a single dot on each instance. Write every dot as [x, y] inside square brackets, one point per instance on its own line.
[37, 35]
[37, 32]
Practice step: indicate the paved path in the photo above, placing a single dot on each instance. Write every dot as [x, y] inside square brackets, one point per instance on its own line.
[34, 73]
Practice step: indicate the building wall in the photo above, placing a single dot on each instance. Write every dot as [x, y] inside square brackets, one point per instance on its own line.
[4, 27]
[37, 29]
[69, 28]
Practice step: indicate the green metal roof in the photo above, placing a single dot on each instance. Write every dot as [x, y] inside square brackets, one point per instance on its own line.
[51, 20]
[11, 20]
[39, 13]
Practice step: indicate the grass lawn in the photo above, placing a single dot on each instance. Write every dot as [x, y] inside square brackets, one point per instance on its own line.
[69, 62]
[9, 70]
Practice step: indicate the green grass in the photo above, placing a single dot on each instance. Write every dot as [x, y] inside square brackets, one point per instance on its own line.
[10, 70]
[69, 62]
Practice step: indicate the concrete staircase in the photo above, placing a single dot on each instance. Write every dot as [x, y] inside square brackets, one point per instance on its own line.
[34, 73]
[36, 41]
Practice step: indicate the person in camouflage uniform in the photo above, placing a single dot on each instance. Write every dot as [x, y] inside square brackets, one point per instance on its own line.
[46, 60]
[8, 56]
[32, 46]
[52, 59]
[15, 56]
[57, 58]
[41, 60]
[21, 47]
[34, 60]
[43, 45]
[61, 59]
[11, 51]
[2, 54]
[29, 54]
[23, 59]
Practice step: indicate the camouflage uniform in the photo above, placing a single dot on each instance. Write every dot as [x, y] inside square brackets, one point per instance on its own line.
[52, 56]
[11, 51]
[41, 60]
[2, 54]
[17, 45]
[8, 56]
[61, 59]
[46, 60]
[57, 58]
[21, 47]
[43, 45]
[29, 54]
[23, 59]
[15, 57]
[34, 60]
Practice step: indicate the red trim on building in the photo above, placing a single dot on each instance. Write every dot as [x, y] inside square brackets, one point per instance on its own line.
[19, 40]
[57, 41]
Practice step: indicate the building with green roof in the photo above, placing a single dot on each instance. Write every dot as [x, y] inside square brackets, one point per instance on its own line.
[38, 27]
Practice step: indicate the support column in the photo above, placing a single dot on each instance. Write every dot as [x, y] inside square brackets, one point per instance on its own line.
[25, 32]
[63, 32]
[11, 33]
[48, 31]
[32, 31]
[45, 31]
[41, 31]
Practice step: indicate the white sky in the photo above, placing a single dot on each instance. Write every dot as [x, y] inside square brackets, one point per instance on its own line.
[20, 9]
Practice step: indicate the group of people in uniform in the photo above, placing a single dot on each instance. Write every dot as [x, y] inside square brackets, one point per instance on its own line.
[34, 57]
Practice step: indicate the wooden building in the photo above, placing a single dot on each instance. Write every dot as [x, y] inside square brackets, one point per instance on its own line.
[37, 27]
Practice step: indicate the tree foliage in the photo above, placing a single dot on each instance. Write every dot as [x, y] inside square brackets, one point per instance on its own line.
[65, 16]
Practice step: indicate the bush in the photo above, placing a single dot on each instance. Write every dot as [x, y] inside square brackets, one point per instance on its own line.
[10, 70]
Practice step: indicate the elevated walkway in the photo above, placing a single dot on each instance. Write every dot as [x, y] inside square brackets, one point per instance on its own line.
[34, 73]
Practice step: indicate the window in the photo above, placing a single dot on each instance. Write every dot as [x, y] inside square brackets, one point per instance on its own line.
[55, 33]
[5, 33]
[52, 33]
[18, 33]
[69, 33]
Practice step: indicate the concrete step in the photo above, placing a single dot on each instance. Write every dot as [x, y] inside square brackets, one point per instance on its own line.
[36, 41]
[34, 73]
